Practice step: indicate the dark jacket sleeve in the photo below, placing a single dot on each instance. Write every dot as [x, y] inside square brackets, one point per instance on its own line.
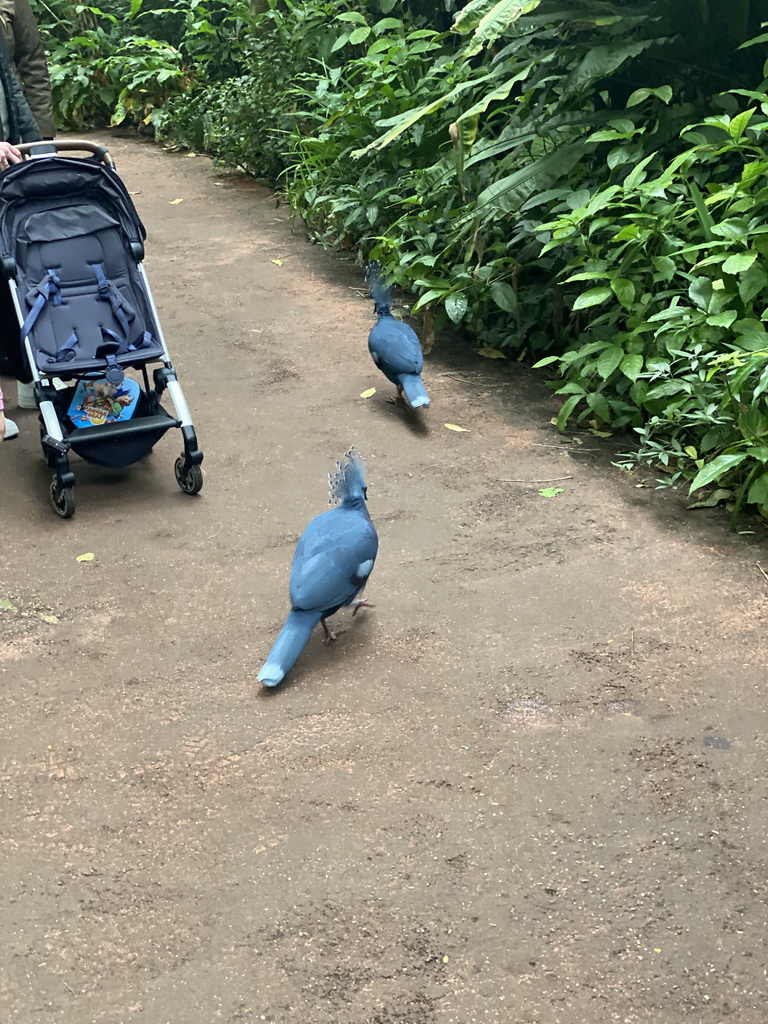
[23, 127]
[27, 53]
[26, 125]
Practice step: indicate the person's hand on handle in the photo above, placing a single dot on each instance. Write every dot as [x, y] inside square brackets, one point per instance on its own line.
[8, 155]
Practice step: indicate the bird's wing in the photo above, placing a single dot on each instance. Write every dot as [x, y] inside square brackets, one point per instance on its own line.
[395, 347]
[333, 560]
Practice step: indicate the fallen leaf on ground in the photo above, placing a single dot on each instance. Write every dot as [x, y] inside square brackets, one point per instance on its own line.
[278, 263]
[452, 426]
[490, 353]
[721, 494]
[6, 606]
[87, 557]
[51, 619]
[174, 202]
[550, 492]
[368, 393]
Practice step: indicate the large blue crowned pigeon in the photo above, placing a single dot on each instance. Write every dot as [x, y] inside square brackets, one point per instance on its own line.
[331, 565]
[394, 346]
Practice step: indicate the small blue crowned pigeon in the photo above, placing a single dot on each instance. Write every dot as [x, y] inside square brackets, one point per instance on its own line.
[331, 565]
[394, 346]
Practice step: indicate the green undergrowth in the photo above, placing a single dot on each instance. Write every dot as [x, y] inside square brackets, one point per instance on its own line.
[581, 185]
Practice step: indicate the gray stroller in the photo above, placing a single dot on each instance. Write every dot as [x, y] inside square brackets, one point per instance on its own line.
[71, 251]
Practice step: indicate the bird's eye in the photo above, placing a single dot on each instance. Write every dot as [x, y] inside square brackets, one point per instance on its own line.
[365, 493]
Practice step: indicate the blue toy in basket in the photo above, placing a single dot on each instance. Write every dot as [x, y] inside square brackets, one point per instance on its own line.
[99, 401]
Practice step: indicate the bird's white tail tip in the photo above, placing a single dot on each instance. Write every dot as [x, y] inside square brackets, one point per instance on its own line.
[270, 675]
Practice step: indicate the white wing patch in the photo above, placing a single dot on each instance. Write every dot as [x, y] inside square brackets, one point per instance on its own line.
[363, 570]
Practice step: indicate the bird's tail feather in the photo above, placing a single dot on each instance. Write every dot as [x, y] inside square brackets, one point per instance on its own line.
[380, 293]
[414, 390]
[291, 641]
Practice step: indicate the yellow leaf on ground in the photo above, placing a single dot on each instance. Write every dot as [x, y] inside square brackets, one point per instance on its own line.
[51, 619]
[175, 202]
[87, 557]
[452, 426]
[278, 263]
[368, 393]
[490, 353]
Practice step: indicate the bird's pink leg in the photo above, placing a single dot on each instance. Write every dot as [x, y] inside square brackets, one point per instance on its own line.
[330, 636]
[357, 605]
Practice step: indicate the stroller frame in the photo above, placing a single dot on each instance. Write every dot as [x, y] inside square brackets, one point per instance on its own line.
[139, 433]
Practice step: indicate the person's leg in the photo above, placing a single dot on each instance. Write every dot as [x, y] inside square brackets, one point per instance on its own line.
[11, 360]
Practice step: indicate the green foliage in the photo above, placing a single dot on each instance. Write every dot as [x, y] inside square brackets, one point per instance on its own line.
[675, 264]
[107, 67]
[583, 181]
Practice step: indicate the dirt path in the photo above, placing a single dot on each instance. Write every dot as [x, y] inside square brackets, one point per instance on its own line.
[530, 786]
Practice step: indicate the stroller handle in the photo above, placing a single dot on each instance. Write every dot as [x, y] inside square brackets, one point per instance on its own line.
[27, 149]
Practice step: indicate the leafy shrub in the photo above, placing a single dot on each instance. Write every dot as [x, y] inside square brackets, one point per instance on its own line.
[107, 68]
[675, 259]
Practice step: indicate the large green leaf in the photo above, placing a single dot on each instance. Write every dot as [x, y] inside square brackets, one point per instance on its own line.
[758, 492]
[609, 360]
[510, 192]
[499, 93]
[405, 121]
[705, 217]
[593, 297]
[565, 412]
[716, 469]
[474, 12]
[752, 283]
[456, 306]
[740, 262]
[601, 62]
[512, 137]
[504, 296]
[664, 93]
[632, 365]
[624, 290]
[490, 23]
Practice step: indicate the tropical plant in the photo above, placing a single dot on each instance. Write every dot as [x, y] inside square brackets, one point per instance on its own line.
[675, 264]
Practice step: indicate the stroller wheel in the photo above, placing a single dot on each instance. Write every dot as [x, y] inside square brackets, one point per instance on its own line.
[190, 481]
[63, 500]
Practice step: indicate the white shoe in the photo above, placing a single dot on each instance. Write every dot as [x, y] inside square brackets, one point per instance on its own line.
[27, 396]
[11, 430]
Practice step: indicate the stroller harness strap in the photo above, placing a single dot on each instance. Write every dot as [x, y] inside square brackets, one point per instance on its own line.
[122, 310]
[49, 289]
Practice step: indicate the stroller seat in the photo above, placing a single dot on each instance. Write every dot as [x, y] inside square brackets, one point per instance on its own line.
[82, 305]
